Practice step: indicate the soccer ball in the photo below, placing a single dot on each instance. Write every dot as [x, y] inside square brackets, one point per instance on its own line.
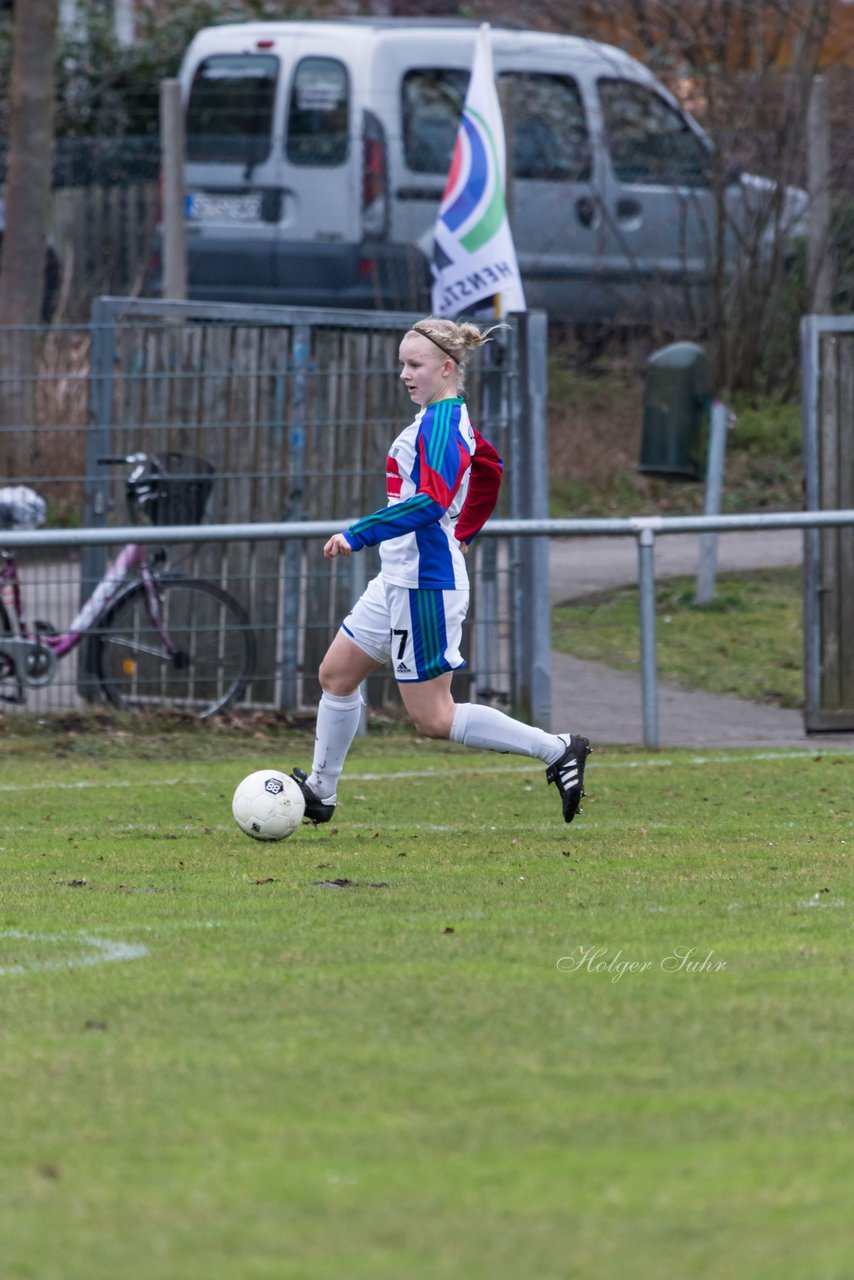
[268, 805]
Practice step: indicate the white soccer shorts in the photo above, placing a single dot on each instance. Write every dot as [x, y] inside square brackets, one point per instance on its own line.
[417, 631]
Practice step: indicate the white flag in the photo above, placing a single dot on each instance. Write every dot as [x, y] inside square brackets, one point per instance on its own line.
[473, 253]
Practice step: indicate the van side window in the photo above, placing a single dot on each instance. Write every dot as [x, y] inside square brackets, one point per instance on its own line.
[230, 108]
[650, 143]
[319, 111]
[545, 122]
[433, 101]
[543, 116]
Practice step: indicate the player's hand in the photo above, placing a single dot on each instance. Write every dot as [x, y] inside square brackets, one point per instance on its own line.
[464, 547]
[337, 546]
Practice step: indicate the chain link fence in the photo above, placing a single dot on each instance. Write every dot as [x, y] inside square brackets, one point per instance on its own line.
[294, 411]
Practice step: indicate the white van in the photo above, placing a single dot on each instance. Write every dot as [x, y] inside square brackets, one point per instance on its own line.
[317, 154]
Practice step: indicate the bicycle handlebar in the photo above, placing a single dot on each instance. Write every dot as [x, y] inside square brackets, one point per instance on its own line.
[130, 459]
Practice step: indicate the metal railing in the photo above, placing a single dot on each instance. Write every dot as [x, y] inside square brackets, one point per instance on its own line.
[645, 530]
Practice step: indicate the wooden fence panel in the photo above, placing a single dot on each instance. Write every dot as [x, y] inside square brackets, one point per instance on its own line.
[103, 238]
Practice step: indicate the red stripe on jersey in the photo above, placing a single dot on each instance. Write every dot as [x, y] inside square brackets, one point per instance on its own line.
[434, 484]
[393, 478]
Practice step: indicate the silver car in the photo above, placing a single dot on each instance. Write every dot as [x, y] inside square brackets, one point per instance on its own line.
[317, 152]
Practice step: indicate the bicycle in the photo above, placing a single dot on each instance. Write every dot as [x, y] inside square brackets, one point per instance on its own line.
[157, 637]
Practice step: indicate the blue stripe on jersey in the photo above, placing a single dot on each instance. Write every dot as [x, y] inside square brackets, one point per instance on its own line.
[429, 633]
[435, 562]
[440, 428]
[435, 427]
[391, 522]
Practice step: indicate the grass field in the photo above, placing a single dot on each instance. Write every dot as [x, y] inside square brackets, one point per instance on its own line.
[747, 641]
[504, 1047]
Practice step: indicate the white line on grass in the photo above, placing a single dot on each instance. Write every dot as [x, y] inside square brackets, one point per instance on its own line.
[456, 768]
[84, 785]
[102, 951]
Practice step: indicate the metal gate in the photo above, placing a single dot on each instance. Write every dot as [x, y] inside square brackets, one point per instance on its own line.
[296, 408]
[827, 389]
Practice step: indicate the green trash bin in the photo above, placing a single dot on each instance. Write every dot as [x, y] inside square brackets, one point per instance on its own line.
[676, 398]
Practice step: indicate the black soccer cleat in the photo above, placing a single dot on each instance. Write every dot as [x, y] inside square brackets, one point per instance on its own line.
[568, 773]
[316, 810]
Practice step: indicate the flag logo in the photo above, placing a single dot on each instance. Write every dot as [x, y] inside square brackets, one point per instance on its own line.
[473, 255]
[473, 195]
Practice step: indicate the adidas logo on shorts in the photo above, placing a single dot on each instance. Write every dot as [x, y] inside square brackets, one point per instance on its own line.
[401, 666]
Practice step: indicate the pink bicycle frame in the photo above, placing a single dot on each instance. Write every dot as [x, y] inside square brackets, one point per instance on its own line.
[131, 560]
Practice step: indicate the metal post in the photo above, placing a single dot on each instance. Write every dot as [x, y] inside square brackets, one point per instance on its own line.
[529, 460]
[292, 596]
[483, 571]
[516, 473]
[484, 556]
[172, 164]
[707, 568]
[93, 559]
[810, 405]
[102, 332]
[649, 679]
[538, 612]
[359, 580]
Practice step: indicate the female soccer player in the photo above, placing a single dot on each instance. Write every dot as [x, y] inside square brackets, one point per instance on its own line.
[443, 480]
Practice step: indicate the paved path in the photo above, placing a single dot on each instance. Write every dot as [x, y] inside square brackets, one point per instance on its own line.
[579, 566]
[605, 704]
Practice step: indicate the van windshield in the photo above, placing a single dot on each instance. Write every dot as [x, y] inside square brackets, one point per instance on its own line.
[544, 120]
[230, 111]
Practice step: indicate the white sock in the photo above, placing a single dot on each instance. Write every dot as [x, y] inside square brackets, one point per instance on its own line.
[485, 728]
[337, 723]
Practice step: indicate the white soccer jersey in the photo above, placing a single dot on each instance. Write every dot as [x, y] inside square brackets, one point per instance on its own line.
[432, 506]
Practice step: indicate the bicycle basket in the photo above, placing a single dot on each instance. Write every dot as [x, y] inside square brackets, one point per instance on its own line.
[173, 490]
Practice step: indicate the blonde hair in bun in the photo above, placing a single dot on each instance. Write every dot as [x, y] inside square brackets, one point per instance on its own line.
[457, 338]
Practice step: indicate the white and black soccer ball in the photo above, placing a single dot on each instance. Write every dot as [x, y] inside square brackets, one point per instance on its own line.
[268, 805]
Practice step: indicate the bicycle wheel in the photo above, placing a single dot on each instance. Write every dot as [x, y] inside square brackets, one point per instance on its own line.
[198, 659]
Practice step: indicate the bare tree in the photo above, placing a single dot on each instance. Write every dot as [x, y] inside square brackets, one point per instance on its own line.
[30, 153]
[745, 68]
[22, 270]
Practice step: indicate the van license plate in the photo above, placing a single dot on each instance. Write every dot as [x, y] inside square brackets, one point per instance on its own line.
[203, 206]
